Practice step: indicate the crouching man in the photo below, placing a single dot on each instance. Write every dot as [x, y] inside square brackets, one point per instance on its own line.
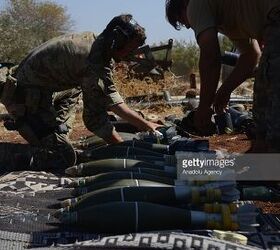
[41, 94]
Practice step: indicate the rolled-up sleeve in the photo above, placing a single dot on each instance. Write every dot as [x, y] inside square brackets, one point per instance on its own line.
[99, 93]
[107, 85]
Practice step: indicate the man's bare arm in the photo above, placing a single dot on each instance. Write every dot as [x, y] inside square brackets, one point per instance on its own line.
[243, 70]
[209, 66]
[245, 67]
[133, 118]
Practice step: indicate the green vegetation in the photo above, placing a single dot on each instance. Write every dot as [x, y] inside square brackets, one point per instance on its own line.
[185, 57]
[24, 24]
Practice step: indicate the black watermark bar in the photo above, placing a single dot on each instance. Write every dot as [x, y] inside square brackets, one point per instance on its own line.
[218, 166]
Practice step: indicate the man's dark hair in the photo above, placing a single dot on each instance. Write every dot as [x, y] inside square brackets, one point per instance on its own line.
[124, 28]
[173, 9]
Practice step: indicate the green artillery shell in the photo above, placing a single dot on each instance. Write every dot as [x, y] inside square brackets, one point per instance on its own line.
[118, 183]
[91, 180]
[96, 141]
[129, 217]
[159, 148]
[167, 160]
[160, 195]
[107, 165]
[119, 152]
[168, 174]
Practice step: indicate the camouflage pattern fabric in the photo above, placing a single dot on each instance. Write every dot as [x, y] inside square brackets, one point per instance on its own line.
[99, 90]
[68, 62]
[267, 86]
[40, 128]
[50, 81]
[58, 64]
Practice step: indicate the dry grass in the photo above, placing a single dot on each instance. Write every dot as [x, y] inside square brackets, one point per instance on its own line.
[134, 87]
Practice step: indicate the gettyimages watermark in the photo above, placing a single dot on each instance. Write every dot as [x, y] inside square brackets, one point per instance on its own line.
[224, 166]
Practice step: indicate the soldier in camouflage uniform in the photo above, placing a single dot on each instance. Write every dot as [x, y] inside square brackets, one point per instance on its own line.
[250, 25]
[44, 90]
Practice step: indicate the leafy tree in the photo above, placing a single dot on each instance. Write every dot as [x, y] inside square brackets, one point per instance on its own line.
[24, 24]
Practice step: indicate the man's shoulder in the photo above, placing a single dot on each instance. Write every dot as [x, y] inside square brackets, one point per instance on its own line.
[82, 37]
[71, 43]
[61, 47]
[200, 15]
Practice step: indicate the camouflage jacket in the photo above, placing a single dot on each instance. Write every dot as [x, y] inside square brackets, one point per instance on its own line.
[71, 61]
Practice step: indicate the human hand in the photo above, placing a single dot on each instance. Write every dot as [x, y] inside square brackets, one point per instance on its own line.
[152, 126]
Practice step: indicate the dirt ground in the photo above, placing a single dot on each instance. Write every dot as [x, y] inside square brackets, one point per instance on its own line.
[232, 143]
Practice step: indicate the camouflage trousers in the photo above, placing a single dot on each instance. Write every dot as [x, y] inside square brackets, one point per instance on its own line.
[266, 107]
[44, 119]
